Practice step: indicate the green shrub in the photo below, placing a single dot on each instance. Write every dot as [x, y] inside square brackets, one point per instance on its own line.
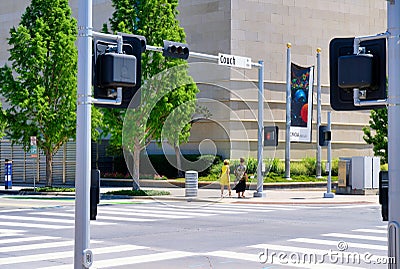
[251, 166]
[298, 169]
[275, 166]
[310, 165]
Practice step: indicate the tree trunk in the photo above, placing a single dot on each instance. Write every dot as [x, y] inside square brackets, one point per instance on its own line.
[178, 161]
[49, 169]
[136, 164]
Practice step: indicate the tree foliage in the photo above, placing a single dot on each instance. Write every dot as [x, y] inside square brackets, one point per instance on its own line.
[156, 20]
[40, 86]
[377, 132]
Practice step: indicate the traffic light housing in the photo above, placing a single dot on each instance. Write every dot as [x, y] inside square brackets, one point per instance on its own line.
[271, 136]
[112, 70]
[175, 50]
[384, 194]
[366, 71]
[324, 135]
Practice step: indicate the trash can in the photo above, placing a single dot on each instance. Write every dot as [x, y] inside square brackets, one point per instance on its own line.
[8, 174]
[191, 183]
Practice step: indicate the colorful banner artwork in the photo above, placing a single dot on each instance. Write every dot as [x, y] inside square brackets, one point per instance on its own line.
[301, 105]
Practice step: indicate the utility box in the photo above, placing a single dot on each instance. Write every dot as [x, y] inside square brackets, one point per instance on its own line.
[344, 172]
[365, 174]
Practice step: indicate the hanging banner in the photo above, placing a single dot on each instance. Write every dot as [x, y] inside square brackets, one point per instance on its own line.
[302, 79]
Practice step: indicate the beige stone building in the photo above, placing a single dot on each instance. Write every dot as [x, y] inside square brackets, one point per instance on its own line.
[258, 29]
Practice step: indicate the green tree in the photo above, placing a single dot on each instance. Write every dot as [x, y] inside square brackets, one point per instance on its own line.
[377, 132]
[156, 20]
[40, 86]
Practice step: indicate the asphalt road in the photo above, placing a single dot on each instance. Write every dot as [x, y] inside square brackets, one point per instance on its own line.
[128, 234]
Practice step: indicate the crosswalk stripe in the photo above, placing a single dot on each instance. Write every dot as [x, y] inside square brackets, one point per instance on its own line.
[149, 214]
[335, 243]
[37, 246]
[27, 239]
[71, 215]
[202, 210]
[99, 216]
[41, 219]
[10, 232]
[65, 254]
[254, 206]
[162, 211]
[381, 226]
[142, 259]
[356, 236]
[370, 231]
[234, 208]
[11, 210]
[34, 225]
[255, 258]
[128, 219]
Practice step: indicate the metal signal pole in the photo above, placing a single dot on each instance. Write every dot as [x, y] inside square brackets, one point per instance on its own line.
[393, 9]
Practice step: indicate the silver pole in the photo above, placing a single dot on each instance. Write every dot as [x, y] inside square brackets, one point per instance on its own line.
[329, 193]
[82, 254]
[394, 130]
[288, 108]
[318, 168]
[260, 179]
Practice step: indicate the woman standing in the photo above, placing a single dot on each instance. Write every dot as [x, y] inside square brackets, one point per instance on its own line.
[225, 178]
[241, 178]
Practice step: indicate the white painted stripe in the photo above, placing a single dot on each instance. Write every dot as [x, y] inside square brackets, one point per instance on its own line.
[34, 225]
[382, 226]
[162, 211]
[12, 210]
[109, 211]
[370, 231]
[6, 231]
[37, 246]
[111, 263]
[357, 236]
[255, 258]
[354, 206]
[251, 207]
[41, 219]
[27, 239]
[128, 219]
[335, 243]
[234, 208]
[58, 214]
[65, 254]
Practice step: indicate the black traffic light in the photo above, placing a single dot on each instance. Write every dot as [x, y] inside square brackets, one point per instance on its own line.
[271, 136]
[94, 193]
[384, 194]
[175, 50]
[365, 71]
[112, 70]
[324, 136]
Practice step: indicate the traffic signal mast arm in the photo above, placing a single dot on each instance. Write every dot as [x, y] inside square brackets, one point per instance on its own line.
[356, 91]
[197, 55]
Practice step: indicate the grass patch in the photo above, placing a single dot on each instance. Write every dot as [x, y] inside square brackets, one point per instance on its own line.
[49, 189]
[138, 192]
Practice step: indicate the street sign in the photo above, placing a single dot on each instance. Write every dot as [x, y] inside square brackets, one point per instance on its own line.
[234, 61]
[33, 148]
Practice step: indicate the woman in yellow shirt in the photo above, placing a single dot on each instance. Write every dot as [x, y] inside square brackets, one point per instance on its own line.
[225, 178]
